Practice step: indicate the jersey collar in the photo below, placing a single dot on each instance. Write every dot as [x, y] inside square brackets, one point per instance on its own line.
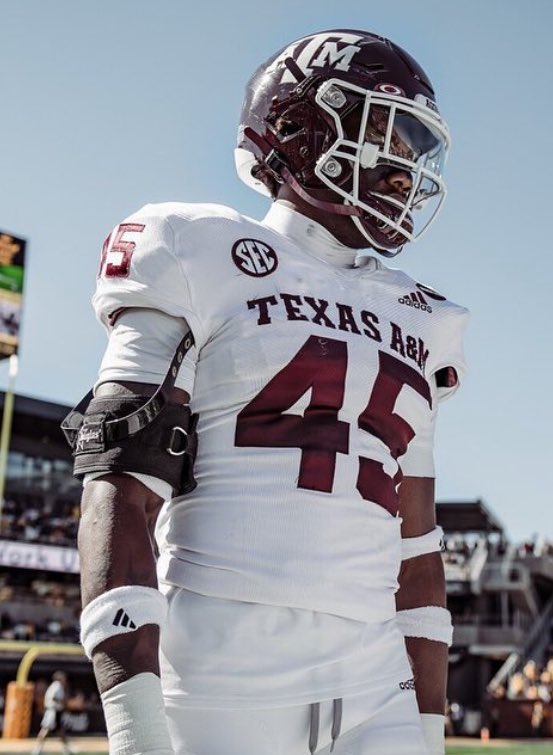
[314, 239]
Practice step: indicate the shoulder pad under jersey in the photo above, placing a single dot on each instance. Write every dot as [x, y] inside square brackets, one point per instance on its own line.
[142, 259]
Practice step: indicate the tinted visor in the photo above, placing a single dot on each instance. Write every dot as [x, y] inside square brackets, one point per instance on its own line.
[400, 133]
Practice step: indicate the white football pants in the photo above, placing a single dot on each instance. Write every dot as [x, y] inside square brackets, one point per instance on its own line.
[233, 677]
[394, 729]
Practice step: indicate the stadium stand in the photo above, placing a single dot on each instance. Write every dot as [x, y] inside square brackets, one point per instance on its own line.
[500, 595]
[501, 599]
[39, 574]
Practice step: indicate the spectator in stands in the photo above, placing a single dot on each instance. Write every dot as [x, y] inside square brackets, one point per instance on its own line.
[545, 686]
[24, 630]
[542, 693]
[536, 721]
[531, 692]
[517, 687]
[54, 627]
[499, 693]
[457, 716]
[526, 548]
[531, 684]
[52, 721]
[530, 672]
[32, 519]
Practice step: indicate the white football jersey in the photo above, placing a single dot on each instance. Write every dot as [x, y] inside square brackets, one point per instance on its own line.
[316, 382]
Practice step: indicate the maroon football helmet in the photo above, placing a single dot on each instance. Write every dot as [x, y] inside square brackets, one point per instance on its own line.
[334, 115]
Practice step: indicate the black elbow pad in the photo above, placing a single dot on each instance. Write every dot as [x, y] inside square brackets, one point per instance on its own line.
[110, 439]
[145, 434]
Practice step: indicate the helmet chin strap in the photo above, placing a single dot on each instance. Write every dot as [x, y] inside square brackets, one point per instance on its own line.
[276, 164]
[355, 213]
[320, 204]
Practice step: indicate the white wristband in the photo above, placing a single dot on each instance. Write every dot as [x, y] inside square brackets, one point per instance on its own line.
[135, 717]
[433, 729]
[119, 611]
[411, 547]
[430, 622]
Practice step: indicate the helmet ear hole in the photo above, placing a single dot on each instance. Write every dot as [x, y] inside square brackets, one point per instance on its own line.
[286, 129]
[261, 173]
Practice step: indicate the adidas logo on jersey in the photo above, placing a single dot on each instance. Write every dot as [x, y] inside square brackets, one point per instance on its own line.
[409, 684]
[122, 619]
[415, 300]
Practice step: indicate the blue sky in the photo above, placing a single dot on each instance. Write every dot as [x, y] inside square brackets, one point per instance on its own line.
[105, 106]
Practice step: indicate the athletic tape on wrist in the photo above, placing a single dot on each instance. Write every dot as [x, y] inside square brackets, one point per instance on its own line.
[418, 546]
[119, 611]
[433, 729]
[430, 622]
[135, 717]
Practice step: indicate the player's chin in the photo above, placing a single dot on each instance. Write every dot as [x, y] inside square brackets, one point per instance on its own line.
[385, 235]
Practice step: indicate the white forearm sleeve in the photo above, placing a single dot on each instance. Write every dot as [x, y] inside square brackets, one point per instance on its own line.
[433, 728]
[135, 717]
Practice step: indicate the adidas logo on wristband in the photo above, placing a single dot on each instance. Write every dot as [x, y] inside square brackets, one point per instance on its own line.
[122, 619]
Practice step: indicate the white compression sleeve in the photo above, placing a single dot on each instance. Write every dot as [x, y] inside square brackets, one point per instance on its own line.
[433, 728]
[135, 717]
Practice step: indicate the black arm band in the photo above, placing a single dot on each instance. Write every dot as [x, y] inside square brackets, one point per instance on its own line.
[144, 434]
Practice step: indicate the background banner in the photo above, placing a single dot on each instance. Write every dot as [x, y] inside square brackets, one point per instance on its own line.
[36, 556]
[12, 263]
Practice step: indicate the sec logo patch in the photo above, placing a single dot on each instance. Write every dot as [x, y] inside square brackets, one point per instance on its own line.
[254, 257]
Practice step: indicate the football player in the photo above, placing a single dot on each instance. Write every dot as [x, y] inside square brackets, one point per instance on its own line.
[261, 433]
[52, 721]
